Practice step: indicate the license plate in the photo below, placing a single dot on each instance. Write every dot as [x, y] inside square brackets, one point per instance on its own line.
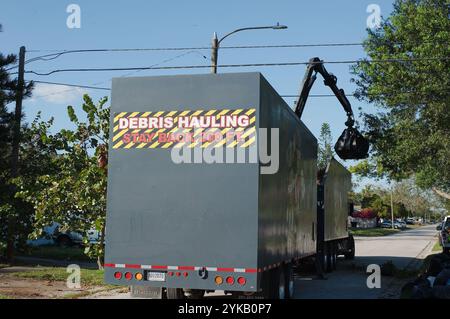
[156, 276]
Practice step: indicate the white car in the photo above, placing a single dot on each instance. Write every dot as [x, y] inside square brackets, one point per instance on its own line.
[53, 235]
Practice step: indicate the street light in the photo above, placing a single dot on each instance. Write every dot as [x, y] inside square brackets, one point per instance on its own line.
[216, 42]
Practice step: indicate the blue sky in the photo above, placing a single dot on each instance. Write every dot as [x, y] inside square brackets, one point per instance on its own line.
[41, 25]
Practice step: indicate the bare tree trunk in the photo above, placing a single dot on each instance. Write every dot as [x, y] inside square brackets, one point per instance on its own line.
[441, 193]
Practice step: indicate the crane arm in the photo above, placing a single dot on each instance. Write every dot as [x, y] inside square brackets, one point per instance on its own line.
[316, 66]
[351, 144]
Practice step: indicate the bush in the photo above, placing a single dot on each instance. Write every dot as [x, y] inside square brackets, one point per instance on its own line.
[365, 213]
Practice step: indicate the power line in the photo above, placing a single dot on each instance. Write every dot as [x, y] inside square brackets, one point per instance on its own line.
[397, 60]
[60, 52]
[282, 95]
[74, 85]
[267, 46]
[100, 88]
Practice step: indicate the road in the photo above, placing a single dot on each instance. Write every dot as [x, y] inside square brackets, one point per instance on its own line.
[404, 249]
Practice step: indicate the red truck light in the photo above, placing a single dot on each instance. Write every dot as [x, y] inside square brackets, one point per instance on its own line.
[230, 280]
[118, 275]
[241, 281]
[128, 276]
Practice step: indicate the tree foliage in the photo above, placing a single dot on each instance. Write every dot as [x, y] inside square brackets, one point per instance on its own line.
[411, 134]
[325, 148]
[74, 195]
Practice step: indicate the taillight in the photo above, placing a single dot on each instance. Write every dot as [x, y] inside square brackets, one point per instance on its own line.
[230, 280]
[185, 274]
[118, 275]
[218, 280]
[241, 281]
[170, 273]
[138, 276]
[128, 276]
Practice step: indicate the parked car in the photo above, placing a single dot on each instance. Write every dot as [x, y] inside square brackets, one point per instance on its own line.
[71, 238]
[444, 234]
[54, 234]
[410, 221]
[397, 225]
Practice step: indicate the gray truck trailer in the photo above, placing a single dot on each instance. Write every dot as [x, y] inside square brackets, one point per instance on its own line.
[184, 226]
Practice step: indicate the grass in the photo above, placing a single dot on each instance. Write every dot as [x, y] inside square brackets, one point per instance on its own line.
[59, 253]
[437, 246]
[4, 297]
[89, 277]
[373, 232]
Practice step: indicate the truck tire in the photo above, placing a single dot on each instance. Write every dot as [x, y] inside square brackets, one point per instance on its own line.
[195, 294]
[289, 280]
[333, 256]
[327, 257]
[350, 255]
[175, 293]
[282, 283]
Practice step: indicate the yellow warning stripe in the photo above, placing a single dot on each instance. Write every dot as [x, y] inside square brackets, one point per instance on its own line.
[197, 131]
[249, 142]
[244, 135]
[118, 116]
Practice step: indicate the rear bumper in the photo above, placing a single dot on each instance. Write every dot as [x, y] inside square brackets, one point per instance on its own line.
[184, 277]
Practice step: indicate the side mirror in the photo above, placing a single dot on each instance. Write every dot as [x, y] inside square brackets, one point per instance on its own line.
[439, 227]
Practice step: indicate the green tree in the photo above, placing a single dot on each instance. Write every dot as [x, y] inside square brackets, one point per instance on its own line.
[325, 149]
[410, 135]
[14, 213]
[75, 194]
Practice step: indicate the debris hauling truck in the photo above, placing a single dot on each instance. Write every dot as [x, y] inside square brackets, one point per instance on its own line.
[202, 198]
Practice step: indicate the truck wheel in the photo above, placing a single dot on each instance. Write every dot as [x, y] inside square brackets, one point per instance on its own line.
[350, 255]
[333, 256]
[195, 294]
[327, 257]
[281, 294]
[289, 280]
[174, 293]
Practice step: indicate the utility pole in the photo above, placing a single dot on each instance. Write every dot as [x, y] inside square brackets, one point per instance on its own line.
[16, 145]
[392, 208]
[216, 42]
[214, 53]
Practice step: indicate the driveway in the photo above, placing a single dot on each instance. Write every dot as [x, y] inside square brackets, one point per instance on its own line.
[405, 249]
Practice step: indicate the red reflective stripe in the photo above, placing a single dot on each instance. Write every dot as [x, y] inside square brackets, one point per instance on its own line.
[251, 270]
[159, 267]
[226, 269]
[132, 266]
[186, 268]
[222, 269]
